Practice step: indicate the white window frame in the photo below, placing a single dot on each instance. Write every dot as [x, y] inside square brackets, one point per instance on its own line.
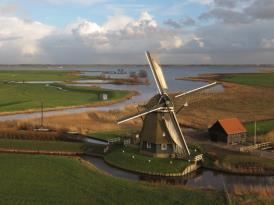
[148, 145]
[163, 146]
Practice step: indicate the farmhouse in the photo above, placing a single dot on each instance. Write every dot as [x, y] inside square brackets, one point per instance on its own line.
[230, 131]
[103, 96]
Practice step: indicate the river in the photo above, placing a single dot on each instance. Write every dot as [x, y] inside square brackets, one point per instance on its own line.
[202, 178]
[146, 91]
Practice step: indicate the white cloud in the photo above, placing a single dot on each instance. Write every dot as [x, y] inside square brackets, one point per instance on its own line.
[118, 22]
[206, 2]
[175, 42]
[267, 43]
[22, 35]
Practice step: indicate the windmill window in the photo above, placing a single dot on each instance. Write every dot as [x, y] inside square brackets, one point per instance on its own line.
[163, 146]
[148, 145]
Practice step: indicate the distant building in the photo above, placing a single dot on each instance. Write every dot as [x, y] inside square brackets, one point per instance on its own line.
[230, 131]
[103, 96]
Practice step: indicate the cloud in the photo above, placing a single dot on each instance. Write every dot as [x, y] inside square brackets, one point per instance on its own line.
[8, 9]
[121, 35]
[267, 43]
[243, 11]
[232, 37]
[261, 9]
[183, 22]
[21, 36]
[226, 15]
[172, 23]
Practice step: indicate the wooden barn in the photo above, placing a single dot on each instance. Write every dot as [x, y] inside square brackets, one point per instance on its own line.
[231, 131]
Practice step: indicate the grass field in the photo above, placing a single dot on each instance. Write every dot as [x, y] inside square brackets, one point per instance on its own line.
[263, 127]
[42, 145]
[141, 162]
[41, 180]
[20, 97]
[41, 75]
[257, 79]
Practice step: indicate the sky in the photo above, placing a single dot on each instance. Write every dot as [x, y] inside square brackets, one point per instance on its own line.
[119, 31]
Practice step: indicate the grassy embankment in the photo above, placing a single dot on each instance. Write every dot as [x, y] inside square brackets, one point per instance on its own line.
[130, 159]
[40, 179]
[237, 162]
[28, 97]
[37, 145]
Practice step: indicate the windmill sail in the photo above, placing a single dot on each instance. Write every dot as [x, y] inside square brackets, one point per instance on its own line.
[175, 132]
[157, 74]
[139, 114]
[197, 90]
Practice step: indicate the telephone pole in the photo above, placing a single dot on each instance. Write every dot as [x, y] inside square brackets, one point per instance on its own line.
[42, 114]
[255, 132]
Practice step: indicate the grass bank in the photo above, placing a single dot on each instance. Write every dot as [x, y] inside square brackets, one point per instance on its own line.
[130, 159]
[254, 79]
[37, 145]
[40, 179]
[26, 97]
[237, 162]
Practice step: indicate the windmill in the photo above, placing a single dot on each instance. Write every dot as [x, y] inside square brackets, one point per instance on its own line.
[161, 135]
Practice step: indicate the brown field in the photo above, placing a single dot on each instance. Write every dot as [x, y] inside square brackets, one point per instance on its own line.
[264, 192]
[245, 102]
[80, 122]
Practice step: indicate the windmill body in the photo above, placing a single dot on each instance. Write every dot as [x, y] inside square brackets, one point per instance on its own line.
[161, 135]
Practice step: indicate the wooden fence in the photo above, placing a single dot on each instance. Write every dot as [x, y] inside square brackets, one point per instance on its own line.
[261, 146]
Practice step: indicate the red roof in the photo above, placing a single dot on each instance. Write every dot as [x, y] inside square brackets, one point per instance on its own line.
[232, 126]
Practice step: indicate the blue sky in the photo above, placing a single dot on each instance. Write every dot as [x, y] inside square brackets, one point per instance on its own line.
[119, 31]
[61, 13]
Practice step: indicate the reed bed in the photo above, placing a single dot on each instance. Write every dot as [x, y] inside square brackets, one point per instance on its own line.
[263, 191]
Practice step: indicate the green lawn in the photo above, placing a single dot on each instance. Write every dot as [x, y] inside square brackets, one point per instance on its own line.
[41, 75]
[42, 145]
[41, 180]
[19, 97]
[263, 127]
[141, 162]
[257, 79]
[106, 135]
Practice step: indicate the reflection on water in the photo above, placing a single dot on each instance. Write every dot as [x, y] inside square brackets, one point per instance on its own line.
[202, 178]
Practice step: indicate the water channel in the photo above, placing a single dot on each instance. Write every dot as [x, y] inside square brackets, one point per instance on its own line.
[202, 178]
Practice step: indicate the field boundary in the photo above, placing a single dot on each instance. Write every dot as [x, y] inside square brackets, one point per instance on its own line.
[22, 151]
